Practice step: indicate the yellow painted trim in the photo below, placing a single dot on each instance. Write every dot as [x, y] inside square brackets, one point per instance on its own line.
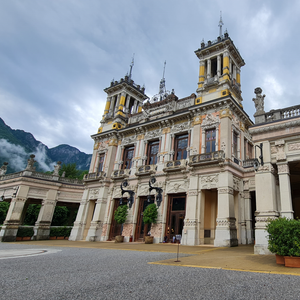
[225, 113]
[110, 122]
[107, 105]
[117, 126]
[166, 130]
[197, 120]
[139, 109]
[122, 100]
[140, 137]
[120, 113]
[100, 129]
[198, 100]
[113, 142]
[238, 78]
[212, 90]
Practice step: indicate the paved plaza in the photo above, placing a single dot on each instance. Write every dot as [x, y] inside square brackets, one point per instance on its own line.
[83, 270]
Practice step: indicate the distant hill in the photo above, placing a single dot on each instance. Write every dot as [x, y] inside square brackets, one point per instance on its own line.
[16, 146]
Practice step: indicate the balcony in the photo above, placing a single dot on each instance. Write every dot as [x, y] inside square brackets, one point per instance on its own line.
[119, 174]
[175, 165]
[94, 176]
[207, 158]
[249, 163]
[146, 170]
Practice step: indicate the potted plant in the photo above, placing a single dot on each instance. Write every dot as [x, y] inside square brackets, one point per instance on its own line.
[277, 239]
[284, 241]
[67, 232]
[24, 234]
[149, 217]
[120, 217]
[54, 232]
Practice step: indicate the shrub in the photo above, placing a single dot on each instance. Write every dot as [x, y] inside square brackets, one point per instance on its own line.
[150, 214]
[121, 214]
[284, 236]
[25, 231]
[4, 206]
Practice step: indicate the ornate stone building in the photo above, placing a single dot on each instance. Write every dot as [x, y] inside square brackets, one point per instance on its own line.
[218, 176]
[195, 147]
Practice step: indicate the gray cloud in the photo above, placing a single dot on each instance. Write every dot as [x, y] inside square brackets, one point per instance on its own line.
[57, 57]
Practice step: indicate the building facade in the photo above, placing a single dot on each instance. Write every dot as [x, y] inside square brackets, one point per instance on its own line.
[195, 148]
[216, 176]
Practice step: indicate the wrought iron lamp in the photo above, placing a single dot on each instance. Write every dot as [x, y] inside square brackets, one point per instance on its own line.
[130, 192]
[256, 163]
[157, 189]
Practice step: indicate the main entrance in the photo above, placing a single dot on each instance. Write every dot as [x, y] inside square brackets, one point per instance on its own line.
[141, 228]
[176, 215]
[115, 228]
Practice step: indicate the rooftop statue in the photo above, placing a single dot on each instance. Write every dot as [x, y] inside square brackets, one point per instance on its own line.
[259, 101]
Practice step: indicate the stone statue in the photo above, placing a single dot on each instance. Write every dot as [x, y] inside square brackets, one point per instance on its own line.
[30, 163]
[259, 101]
[56, 169]
[63, 174]
[3, 169]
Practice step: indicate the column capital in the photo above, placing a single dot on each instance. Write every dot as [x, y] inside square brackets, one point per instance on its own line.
[283, 168]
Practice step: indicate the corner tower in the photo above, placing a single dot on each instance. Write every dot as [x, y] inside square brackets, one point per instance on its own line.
[124, 98]
[219, 72]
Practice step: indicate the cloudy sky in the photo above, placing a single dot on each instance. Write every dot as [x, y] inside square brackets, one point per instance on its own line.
[57, 56]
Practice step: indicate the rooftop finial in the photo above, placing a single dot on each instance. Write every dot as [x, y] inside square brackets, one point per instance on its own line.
[164, 70]
[220, 24]
[131, 65]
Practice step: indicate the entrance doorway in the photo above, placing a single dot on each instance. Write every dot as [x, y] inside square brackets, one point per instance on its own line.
[176, 215]
[115, 228]
[141, 228]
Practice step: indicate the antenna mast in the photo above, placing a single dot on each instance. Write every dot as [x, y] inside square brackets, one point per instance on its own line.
[220, 24]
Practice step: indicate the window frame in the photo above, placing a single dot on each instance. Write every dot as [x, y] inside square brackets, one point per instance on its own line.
[126, 159]
[183, 151]
[101, 162]
[151, 145]
[212, 129]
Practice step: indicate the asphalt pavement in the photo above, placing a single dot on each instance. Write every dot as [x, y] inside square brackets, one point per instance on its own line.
[83, 270]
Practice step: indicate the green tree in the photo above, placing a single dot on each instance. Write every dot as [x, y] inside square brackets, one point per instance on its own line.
[60, 216]
[70, 171]
[32, 214]
[121, 214]
[4, 206]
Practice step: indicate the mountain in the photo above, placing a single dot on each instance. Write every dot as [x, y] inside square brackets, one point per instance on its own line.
[16, 146]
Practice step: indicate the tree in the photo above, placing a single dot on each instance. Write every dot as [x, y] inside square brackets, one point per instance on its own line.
[150, 215]
[4, 206]
[32, 214]
[70, 171]
[121, 215]
[60, 216]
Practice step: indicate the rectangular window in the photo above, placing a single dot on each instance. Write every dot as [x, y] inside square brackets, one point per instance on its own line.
[235, 144]
[127, 158]
[101, 162]
[181, 143]
[250, 150]
[210, 140]
[152, 151]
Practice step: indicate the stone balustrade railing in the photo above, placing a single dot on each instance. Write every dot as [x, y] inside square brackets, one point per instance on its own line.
[147, 169]
[120, 173]
[278, 114]
[204, 158]
[174, 165]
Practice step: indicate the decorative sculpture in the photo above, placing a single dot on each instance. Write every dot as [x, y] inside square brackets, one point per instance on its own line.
[30, 163]
[259, 101]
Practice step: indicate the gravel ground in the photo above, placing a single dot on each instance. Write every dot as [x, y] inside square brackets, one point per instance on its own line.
[77, 273]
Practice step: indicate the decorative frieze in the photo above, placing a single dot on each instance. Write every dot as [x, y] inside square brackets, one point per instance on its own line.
[190, 222]
[197, 120]
[283, 168]
[294, 146]
[229, 222]
[94, 194]
[152, 134]
[226, 191]
[236, 183]
[39, 192]
[280, 150]
[209, 182]
[225, 113]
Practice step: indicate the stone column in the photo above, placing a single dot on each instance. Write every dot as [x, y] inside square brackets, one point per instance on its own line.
[242, 220]
[226, 65]
[226, 234]
[13, 219]
[112, 105]
[127, 104]
[201, 73]
[117, 103]
[95, 230]
[134, 106]
[165, 212]
[190, 234]
[219, 65]
[285, 190]
[266, 207]
[43, 223]
[109, 219]
[203, 141]
[248, 217]
[107, 105]
[208, 75]
[77, 230]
